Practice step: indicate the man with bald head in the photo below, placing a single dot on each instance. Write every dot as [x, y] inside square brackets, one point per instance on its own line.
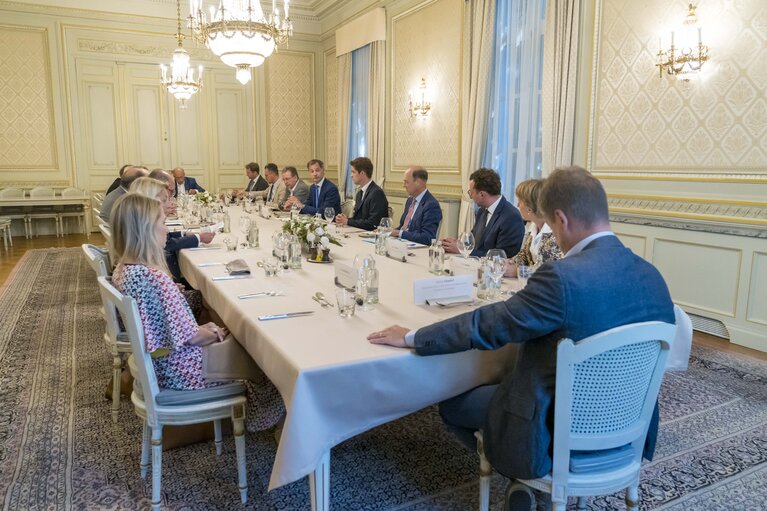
[422, 216]
[129, 175]
[185, 185]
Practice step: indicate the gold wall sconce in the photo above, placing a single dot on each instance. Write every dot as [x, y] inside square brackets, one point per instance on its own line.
[419, 109]
[687, 54]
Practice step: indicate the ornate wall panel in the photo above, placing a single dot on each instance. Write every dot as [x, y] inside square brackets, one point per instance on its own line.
[331, 109]
[290, 97]
[426, 43]
[27, 136]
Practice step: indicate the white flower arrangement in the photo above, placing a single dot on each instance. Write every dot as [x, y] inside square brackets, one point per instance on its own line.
[204, 198]
[309, 230]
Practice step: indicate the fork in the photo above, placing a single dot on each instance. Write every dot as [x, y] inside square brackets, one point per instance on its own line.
[261, 293]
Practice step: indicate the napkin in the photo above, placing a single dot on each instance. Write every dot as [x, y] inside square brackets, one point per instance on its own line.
[238, 267]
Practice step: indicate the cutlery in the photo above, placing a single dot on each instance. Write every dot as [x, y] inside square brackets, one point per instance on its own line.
[230, 277]
[205, 248]
[284, 316]
[204, 265]
[319, 297]
[262, 293]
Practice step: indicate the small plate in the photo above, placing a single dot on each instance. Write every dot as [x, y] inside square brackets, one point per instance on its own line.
[367, 235]
[309, 259]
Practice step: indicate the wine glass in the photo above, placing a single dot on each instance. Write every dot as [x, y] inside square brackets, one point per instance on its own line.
[330, 214]
[385, 226]
[466, 243]
[497, 264]
[245, 223]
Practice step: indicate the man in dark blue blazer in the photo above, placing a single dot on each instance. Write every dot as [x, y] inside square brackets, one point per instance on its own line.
[322, 194]
[600, 284]
[185, 184]
[498, 223]
[370, 202]
[422, 216]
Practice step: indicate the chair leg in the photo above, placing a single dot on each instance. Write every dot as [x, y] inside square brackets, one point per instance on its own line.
[217, 436]
[117, 365]
[238, 425]
[156, 466]
[145, 437]
[485, 471]
[632, 497]
[581, 503]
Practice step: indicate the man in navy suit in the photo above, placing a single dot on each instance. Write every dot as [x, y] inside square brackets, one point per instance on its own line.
[185, 184]
[322, 194]
[256, 182]
[498, 223]
[420, 220]
[370, 202]
[598, 285]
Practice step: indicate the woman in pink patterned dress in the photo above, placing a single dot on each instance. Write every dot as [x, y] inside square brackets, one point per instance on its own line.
[171, 333]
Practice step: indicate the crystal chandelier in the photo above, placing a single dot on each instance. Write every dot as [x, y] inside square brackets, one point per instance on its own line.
[685, 59]
[181, 81]
[239, 32]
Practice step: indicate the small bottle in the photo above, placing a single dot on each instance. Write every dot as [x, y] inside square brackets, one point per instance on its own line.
[436, 257]
[227, 223]
[253, 235]
[295, 253]
[294, 212]
[371, 279]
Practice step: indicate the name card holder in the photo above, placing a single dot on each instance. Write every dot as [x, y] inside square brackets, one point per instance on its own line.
[396, 249]
[458, 288]
[346, 277]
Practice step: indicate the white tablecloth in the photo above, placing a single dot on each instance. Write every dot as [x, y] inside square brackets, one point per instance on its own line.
[335, 384]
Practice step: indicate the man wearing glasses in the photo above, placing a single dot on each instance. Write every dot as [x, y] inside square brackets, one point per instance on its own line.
[498, 223]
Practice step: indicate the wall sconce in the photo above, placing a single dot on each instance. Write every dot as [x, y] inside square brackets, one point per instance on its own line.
[419, 109]
[686, 60]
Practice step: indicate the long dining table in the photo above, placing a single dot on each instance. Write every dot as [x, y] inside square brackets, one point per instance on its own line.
[334, 383]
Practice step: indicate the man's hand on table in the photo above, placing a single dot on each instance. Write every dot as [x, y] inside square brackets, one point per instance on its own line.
[206, 237]
[392, 336]
[450, 245]
[341, 219]
[291, 201]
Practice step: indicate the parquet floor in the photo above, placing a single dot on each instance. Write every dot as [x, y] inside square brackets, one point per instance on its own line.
[10, 256]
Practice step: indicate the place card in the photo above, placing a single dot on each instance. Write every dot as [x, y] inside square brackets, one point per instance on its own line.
[455, 288]
[396, 249]
[345, 275]
[465, 266]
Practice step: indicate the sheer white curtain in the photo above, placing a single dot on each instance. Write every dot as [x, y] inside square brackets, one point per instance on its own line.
[376, 109]
[477, 65]
[342, 123]
[514, 122]
[560, 72]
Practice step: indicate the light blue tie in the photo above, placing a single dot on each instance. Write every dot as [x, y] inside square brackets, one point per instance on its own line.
[317, 197]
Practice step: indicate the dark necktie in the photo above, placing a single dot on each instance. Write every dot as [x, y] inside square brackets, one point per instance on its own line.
[316, 196]
[357, 201]
[479, 226]
[269, 196]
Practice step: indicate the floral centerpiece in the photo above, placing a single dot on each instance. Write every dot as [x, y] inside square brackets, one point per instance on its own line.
[312, 232]
[204, 198]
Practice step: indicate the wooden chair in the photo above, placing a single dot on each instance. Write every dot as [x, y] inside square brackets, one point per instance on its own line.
[16, 212]
[43, 192]
[606, 389]
[73, 211]
[159, 407]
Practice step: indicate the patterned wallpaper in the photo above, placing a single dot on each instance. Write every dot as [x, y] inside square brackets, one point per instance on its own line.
[290, 86]
[427, 43]
[331, 109]
[718, 124]
[27, 138]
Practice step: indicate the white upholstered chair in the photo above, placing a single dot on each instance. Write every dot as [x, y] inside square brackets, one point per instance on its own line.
[106, 231]
[114, 336]
[5, 231]
[347, 207]
[159, 407]
[15, 213]
[606, 389]
[43, 192]
[73, 211]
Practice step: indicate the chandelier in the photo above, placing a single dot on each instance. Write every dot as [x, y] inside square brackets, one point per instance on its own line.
[239, 32]
[686, 59]
[181, 81]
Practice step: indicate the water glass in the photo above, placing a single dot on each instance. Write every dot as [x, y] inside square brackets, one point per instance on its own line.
[231, 243]
[524, 273]
[295, 254]
[253, 236]
[346, 301]
[484, 280]
[271, 264]
[329, 214]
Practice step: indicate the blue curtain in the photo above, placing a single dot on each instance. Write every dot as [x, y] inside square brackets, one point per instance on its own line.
[358, 113]
[514, 124]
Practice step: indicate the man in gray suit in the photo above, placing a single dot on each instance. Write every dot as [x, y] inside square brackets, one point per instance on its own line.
[128, 177]
[294, 186]
[598, 285]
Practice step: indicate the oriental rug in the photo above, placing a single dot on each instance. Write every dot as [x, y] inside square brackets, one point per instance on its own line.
[60, 450]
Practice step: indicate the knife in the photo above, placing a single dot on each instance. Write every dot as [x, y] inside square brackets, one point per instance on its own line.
[204, 265]
[285, 316]
[230, 277]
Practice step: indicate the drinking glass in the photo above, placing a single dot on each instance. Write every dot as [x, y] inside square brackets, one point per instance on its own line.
[270, 266]
[330, 214]
[524, 273]
[346, 302]
[245, 223]
[466, 243]
[231, 243]
[385, 225]
[496, 265]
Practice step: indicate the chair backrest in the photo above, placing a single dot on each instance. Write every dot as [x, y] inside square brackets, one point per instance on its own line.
[106, 232]
[606, 389]
[347, 207]
[39, 192]
[98, 258]
[679, 356]
[12, 193]
[115, 302]
[390, 213]
[72, 192]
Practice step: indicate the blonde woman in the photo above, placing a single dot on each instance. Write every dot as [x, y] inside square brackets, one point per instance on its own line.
[171, 333]
[538, 245]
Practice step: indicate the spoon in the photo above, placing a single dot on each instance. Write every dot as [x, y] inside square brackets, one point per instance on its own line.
[320, 298]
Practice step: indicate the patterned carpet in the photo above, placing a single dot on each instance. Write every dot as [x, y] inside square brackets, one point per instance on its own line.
[60, 450]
